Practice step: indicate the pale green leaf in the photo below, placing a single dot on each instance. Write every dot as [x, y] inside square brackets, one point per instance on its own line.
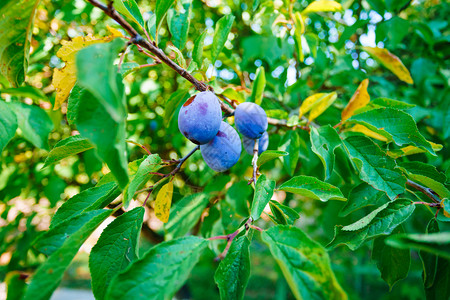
[312, 187]
[223, 28]
[67, 147]
[263, 193]
[269, 155]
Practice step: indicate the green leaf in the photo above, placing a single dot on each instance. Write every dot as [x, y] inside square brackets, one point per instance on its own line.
[130, 9]
[427, 175]
[238, 195]
[184, 215]
[197, 52]
[8, 124]
[88, 200]
[49, 274]
[67, 147]
[323, 142]
[151, 163]
[263, 193]
[234, 270]
[395, 125]
[269, 155]
[179, 24]
[172, 103]
[283, 214]
[34, 123]
[393, 263]
[376, 168]
[95, 123]
[313, 188]
[382, 221]
[25, 92]
[429, 260]
[305, 264]
[441, 286]
[435, 243]
[160, 273]
[291, 144]
[299, 29]
[179, 58]
[115, 250]
[101, 79]
[151, 24]
[162, 6]
[259, 84]
[17, 26]
[223, 28]
[15, 285]
[388, 103]
[361, 196]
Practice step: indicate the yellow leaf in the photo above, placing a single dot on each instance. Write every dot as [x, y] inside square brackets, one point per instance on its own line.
[391, 62]
[359, 99]
[410, 150]
[322, 5]
[363, 129]
[64, 79]
[163, 202]
[317, 104]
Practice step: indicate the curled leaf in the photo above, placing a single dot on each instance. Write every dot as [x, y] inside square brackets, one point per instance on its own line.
[359, 99]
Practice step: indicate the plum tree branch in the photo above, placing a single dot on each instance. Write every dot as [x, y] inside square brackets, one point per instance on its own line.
[427, 191]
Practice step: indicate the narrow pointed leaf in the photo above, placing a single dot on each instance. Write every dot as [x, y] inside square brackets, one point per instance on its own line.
[322, 5]
[324, 140]
[67, 147]
[130, 9]
[380, 222]
[234, 270]
[162, 6]
[313, 188]
[163, 202]
[363, 195]
[258, 86]
[359, 99]
[269, 155]
[160, 273]
[197, 52]
[8, 124]
[115, 250]
[290, 144]
[283, 214]
[435, 243]
[179, 24]
[263, 193]
[305, 264]
[49, 274]
[223, 28]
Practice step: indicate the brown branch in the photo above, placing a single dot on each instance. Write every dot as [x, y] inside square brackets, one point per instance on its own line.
[427, 191]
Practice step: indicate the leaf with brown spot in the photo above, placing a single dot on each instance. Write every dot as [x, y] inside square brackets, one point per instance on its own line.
[359, 99]
[163, 202]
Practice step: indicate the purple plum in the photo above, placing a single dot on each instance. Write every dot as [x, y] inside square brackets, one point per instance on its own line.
[250, 119]
[199, 118]
[222, 152]
[263, 143]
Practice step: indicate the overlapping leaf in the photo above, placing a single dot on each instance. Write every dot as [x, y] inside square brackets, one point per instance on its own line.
[258, 86]
[317, 104]
[223, 28]
[269, 155]
[324, 140]
[359, 99]
[312, 187]
[361, 196]
[263, 193]
[67, 147]
[283, 214]
[8, 124]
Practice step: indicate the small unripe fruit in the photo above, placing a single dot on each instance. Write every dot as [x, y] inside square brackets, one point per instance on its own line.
[263, 143]
[222, 152]
[250, 120]
[199, 118]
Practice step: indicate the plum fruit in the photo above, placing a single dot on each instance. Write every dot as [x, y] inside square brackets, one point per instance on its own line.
[263, 143]
[222, 152]
[250, 119]
[200, 117]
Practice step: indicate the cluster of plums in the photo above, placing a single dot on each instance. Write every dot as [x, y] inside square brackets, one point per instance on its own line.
[200, 121]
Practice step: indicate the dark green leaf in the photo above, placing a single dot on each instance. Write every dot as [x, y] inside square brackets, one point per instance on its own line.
[269, 155]
[8, 124]
[304, 263]
[291, 144]
[435, 243]
[263, 193]
[323, 142]
[115, 250]
[67, 147]
[88, 200]
[15, 285]
[151, 163]
[234, 270]
[376, 168]
[179, 24]
[34, 123]
[429, 260]
[197, 52]
[361, 196]
[130, 9]
[49, 274]
[160, 273]
[395, 125]
[185, 214]
[17, 26]
[441, 286]
[313, 188]
[162, 6]
[238, 195]
[393, 263]
[259, 84]
[172, 103]
[283, 214]
[223, 28]
[381, 221]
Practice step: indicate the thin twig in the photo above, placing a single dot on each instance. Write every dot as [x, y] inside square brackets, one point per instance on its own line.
[255, 162]
[142, 146]
[427, 191]
[428, 204]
